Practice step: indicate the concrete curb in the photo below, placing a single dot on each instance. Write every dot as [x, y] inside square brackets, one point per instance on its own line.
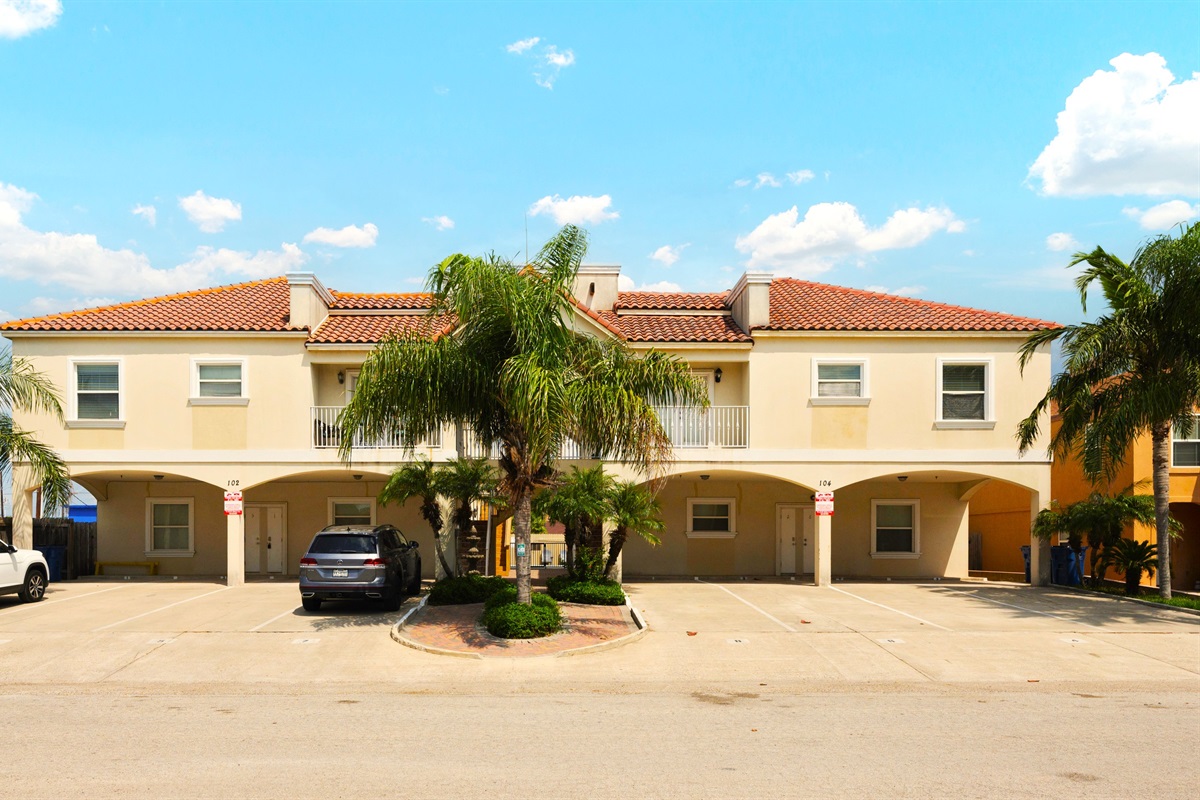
[1195, 612]
[635, 615]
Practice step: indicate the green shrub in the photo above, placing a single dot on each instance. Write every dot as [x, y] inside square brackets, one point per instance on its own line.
[501, 597]
[465, 589]
[594, 593]
[513, 620]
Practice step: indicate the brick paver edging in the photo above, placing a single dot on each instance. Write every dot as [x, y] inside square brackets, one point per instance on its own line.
[398, 635]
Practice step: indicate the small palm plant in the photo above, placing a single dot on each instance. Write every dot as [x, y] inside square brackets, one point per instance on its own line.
[580, 503]
[1133, 558]
[633, 509]
[419, 479]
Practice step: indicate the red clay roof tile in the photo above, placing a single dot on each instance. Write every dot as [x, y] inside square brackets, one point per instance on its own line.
[671, 301]
[371, 328]
[677, 327]
[382, 300]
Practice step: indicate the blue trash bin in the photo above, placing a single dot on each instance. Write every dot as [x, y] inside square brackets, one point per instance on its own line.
[56, 560]
[1063, 566]
[1075, 567]
[1025, 553]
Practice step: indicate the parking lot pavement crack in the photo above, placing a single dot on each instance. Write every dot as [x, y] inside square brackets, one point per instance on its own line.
[132, 661]
[1103, 636]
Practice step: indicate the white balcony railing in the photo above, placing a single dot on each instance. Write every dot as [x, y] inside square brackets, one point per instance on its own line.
[327, 435]
[715, 426]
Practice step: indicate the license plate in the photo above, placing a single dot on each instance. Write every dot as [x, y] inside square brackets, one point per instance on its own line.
[341, 573]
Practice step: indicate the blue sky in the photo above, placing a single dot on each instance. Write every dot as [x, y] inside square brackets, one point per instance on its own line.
[914, 147]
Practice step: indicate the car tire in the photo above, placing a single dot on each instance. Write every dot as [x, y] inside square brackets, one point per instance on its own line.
[393, 602]
[34, 587]
[414, 584]
[311, 603]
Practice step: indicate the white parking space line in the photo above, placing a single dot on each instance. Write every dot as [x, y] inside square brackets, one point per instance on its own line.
[44, 603]
[889, 608]
[1021, 608]
[155, 611]
[776, 620]
[272, 619]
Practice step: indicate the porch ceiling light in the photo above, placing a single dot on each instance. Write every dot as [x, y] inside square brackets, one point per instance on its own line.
[704, 477]
[358, 477]
[158, 477]
[902, 478]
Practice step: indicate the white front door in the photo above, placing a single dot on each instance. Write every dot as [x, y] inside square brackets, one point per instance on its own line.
[253, 519]
[276, 543]
[786, 546]
[809, 532]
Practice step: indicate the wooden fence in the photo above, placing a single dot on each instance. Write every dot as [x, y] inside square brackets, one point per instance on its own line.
[78, 537]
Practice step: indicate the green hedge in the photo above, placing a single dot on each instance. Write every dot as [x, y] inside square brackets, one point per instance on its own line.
[503, 616]
[594, 593]
[465, 589]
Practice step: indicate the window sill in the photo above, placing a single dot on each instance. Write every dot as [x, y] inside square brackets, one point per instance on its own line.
[710, 534]
[218, 401]
[839, 401]
[895, 555]
[964, 424]
[170, 553]
[118, 424]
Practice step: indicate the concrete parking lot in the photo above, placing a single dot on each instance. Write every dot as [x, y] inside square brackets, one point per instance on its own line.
[741, 689]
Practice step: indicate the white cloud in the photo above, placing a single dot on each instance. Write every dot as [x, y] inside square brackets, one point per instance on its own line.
[1164, 216]
[549, 62]
[22, 17]
[902, 291]
[5, 316]
[523, 45]
[767, 179]
[660, 286]
[148, 213]
[668, 255]
[1058, 242]
[442, 222]
[832, 232]
[79, 263]
[800, 176]
[349, 236]
[741, 182]
[625, 283]
[210, 214]
[575, 210]
[1131, 130]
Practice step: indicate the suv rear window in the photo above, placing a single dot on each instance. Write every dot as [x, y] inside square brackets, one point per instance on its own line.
[332, 543]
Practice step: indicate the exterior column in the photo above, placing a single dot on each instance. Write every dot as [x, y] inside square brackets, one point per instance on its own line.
[823, 555]
[235, 549]
[23, 485]
[1039, 549]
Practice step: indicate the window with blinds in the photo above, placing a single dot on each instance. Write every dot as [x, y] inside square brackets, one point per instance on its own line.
[98, 391]
[964, 392]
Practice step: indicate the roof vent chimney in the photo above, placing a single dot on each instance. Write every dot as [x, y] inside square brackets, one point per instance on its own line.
[309, 300]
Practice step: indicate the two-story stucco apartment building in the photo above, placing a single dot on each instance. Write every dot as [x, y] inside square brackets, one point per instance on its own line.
[905, 409]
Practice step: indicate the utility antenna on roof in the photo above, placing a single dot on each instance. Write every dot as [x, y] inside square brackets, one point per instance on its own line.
[526, 238]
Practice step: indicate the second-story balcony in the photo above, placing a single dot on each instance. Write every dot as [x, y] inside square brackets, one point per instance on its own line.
[327, 435]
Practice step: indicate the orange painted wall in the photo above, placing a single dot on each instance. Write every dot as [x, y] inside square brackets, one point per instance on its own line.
[999, 512]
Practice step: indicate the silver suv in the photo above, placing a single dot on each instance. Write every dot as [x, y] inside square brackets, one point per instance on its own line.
[24, 572]
[359, 561]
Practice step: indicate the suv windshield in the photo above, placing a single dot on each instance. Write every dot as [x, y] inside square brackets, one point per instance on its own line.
[343, 543]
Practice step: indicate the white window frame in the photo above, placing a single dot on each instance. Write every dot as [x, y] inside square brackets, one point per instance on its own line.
[151, 502]
[1196, 426]
[989, 395]
[864, 399]
[73, 420]
[333, 501]
[729, 534]
[197, 400]
[904, 501]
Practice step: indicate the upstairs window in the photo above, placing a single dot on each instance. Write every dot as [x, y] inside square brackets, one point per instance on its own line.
[218, 382]
[839, 382]
[98, 391]
[964, 394]
[1185, 444]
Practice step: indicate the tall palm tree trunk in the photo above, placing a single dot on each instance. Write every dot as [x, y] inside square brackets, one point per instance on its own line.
[1161, 438]
[521, 527]
[616, 542]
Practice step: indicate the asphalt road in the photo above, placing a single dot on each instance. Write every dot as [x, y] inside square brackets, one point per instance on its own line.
[764, 690]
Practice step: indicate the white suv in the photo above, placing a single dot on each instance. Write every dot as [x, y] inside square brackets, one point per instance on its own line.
[24, 572]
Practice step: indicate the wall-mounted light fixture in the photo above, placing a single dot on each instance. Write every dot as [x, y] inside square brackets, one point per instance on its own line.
[341, 376]
[717, 374]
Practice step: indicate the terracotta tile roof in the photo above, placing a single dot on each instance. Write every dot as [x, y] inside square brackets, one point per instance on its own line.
[381, 301]
[371, 328]
[677, 327]
[805, 306]
[690, 301]
[254, 306]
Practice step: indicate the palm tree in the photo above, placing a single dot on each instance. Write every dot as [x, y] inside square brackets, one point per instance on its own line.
[1133, 370]
[24, 389]
[633, 509]
[517, 372]
[465, 482]
[1133, 558]
[579, 502]
[419, 479]
[1101, 518]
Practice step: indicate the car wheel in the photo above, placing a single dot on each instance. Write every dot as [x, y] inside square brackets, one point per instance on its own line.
[34, 588]
[414, 584]
[393, 602]
[311, 603]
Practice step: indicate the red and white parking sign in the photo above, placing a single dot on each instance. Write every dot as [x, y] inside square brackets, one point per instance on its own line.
[233, 503]
[824, 501]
